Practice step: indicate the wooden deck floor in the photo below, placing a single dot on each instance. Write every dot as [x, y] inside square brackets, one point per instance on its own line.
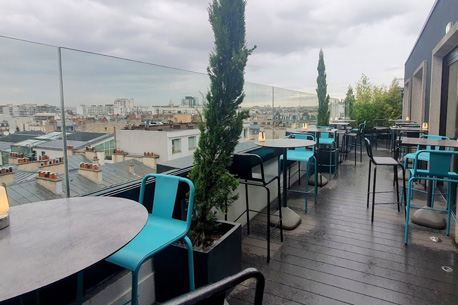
[337, 256]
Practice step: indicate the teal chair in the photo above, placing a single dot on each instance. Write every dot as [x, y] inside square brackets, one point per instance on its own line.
[160, 231]
[425, 157]
[439, 166]
[302, 154]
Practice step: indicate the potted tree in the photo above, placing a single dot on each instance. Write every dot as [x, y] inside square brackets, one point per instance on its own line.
[220, 127]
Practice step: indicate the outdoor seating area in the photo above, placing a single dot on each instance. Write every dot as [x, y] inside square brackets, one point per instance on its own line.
[337, 255]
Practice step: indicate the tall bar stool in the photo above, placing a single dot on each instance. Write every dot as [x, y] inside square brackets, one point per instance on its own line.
[382, 161]
[303, 154]
[329, 139]
[425, 158]
[353, 137]
[242, 168]
[439, 166]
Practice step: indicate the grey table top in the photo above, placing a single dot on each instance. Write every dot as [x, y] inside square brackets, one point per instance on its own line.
[50, 240]
[342, 120]
[414, 129]
[340, 123]
[430, 142]
[320, 130]
[286, 143]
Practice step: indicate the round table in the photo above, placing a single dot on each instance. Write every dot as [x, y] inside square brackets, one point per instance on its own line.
[290, 219]
[49, 240]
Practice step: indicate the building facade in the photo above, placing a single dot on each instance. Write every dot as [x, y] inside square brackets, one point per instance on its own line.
[431, 72]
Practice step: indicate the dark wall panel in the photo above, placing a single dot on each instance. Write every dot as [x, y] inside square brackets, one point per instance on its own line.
[444, 12]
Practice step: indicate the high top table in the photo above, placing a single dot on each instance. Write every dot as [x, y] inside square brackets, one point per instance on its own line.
[290, 219]
[50, 240]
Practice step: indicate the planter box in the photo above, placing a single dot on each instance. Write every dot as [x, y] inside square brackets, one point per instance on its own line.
[222, 259]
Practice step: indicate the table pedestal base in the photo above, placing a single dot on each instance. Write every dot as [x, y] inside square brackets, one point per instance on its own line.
[429, 218]
[290, 219]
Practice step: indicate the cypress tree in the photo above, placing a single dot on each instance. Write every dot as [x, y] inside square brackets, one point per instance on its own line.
[349, 104]
[321, 91]
[222, 122]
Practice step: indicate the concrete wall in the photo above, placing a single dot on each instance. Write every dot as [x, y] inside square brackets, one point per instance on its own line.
[136, 142]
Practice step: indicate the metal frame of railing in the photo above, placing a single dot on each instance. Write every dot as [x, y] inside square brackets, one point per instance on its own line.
[215, 292]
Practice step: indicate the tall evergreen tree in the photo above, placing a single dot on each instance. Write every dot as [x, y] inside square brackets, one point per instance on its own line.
[350, 103]
[221, 124]
[322, 93]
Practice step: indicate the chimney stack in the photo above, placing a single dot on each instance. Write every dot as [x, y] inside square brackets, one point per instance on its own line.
[51, 181]
[131, 168]
[91, 171]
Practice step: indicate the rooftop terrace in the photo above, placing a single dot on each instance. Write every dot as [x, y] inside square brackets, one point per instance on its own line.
[337, 256]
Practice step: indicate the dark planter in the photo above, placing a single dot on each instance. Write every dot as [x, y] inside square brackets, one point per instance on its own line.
[323, 160]
[222, 259]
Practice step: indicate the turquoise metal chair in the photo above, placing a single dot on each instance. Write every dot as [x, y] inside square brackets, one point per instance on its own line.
[299, 155]
[439, 166]
[160, 231]
[425, 157]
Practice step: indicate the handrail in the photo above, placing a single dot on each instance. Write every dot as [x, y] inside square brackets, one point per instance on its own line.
[204, 295]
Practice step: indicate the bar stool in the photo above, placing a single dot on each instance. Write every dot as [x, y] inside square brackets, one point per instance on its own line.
[439, 166]
[299, 155]
[242, 168]
[382, 161]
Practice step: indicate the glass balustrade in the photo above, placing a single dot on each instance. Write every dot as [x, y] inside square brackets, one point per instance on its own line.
[123, 119]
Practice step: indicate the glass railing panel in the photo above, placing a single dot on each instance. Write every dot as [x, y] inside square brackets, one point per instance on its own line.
[291, 110]
[145, 117]
[30, 122]
[258, 100]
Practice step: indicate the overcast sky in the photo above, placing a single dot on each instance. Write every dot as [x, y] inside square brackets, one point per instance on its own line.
[371, 37]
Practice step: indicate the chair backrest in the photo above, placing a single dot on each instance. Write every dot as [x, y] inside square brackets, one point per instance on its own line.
[302, 136]
[369, 149]
[433, 137]
[325, 135]
[439, 162]
[379, 122]
[361, 127]
[165, 194]
[243, 164]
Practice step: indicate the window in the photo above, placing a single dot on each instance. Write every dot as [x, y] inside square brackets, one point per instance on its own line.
[191, 142]
[176, 146]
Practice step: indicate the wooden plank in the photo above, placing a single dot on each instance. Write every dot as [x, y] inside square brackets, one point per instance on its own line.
[338, 255]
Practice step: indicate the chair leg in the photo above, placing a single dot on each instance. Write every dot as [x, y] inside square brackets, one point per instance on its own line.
[404, 187]
[279, 211]
[268, 224]
[449, 206]
[298, 172]
[361, 149]
[330, 162]
[307, 184]
[409, 191]
[369, 183]
[247, 210]
[190, 264]
[395, 169]
[134, 295]
[355, 150]
[373, 192]
[336, 158]
[433, 193]
[316, 176]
